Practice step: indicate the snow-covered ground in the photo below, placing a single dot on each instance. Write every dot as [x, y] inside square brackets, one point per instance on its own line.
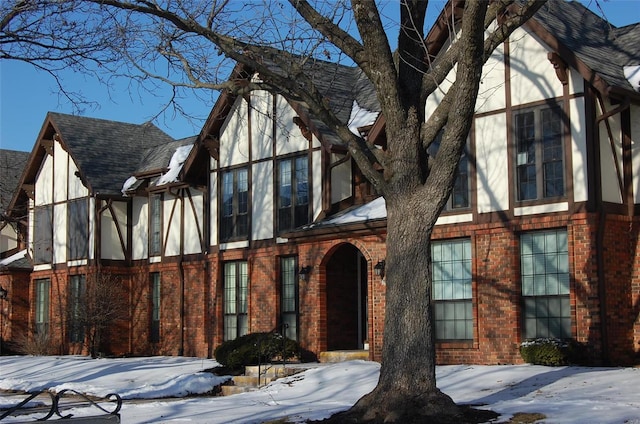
[562, 394]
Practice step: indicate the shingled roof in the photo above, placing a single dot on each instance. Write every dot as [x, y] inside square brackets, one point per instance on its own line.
[12, 164]
[601, 46]
[106, 152]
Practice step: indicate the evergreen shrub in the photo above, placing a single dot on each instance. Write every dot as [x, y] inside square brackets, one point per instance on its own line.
[254, 349]
[551, 352]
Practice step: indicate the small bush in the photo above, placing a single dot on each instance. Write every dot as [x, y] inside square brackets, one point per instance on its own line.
[551, 352]
[253, 349]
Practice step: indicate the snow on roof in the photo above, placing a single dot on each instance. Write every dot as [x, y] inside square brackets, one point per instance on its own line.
[128, 184]
[376, 209]
[175, 165]
[16, 256]
[360, 117]
[632, 74]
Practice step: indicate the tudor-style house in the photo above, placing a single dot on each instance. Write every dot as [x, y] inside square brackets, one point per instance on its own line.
[262, 222]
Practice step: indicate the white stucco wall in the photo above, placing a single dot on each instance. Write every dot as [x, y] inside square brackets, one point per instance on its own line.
[579, 150]
[491, 92]
[341, 184]
[261, 125]
[44, 182]
[262, 207]
[75, 187]
[316, 193]
[609, 176]
[61, 173]
[8, 238]
[533, 77]
[234, 136]
[492, 174]
[289, 138]
[213, 204]
[193, 220]
[140, 228]
[110, 245]
[171, 216]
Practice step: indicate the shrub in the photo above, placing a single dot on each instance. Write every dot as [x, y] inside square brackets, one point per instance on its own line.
[551, 352]
[253, 349]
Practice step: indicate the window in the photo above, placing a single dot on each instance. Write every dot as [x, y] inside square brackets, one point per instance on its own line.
[544, 263]
[43, 235]
[236, 290]
[77, 299]
[235, 205]
[289, 297]
[42, 305]
[78, 233]
[154, 333]
[293, 193]
[539, 153]
[459, 197]
[453, 312]
[155, 225]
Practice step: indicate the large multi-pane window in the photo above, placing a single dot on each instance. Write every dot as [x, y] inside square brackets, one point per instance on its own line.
[289, 297]
[544, 264]
[234, 221]
[451, 286]
[293, 193]
[539, 153]
[155, 224]
[236, 295]
[43, 286]
[43, 235]
[77, 307]
[78, 229]
[460, 193]
[154, 333]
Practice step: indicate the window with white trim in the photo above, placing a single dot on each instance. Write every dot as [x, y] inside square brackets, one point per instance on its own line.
[544, 269]
[451, 289]
[539, 153]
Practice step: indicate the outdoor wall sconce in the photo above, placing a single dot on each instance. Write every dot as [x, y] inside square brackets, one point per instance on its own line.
[304, 272]
[3, 293]
[378, 269]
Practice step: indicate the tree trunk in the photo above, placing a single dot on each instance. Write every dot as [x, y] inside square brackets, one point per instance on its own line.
[406, 391]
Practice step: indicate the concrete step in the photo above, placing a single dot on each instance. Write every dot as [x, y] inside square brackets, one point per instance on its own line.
[228, 390]
[270, 371]
[343, 355]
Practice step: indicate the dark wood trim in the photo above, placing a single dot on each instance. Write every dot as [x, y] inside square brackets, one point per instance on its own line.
[627, 165]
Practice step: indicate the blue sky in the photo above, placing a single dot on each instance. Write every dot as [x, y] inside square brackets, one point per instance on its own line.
[26, 95]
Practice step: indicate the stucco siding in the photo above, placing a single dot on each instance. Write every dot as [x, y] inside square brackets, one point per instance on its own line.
[533, 77]
[341, 186]
[263, 204]
[44, 182]
[193, 219]
[579, 150]
[635, 151]
[261, 125]
[61, 173]
[492, 172]
[609, 175]
[140, 228]
[234, 136]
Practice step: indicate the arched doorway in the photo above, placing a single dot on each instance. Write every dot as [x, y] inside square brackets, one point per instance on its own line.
[347, 299]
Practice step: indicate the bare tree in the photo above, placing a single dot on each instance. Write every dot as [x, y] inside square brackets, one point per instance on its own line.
[187, 43]
[95, 306]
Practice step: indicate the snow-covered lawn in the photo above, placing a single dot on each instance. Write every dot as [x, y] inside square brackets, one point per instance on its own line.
[563, 394]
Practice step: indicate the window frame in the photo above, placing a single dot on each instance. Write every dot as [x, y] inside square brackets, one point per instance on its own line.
[289, 297]
[447, 305]
[537, 288]
[43, 234]
[536, 147]
[42, 317]
[77, 307]
[235, 225]
[297, 212]
[78, 229]
[462, 178]
[155, 301]
[235, 299]
[155, 224]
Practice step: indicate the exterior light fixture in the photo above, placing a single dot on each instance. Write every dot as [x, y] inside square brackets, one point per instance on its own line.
[378, 269]
[304, 272]
[3, 293]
